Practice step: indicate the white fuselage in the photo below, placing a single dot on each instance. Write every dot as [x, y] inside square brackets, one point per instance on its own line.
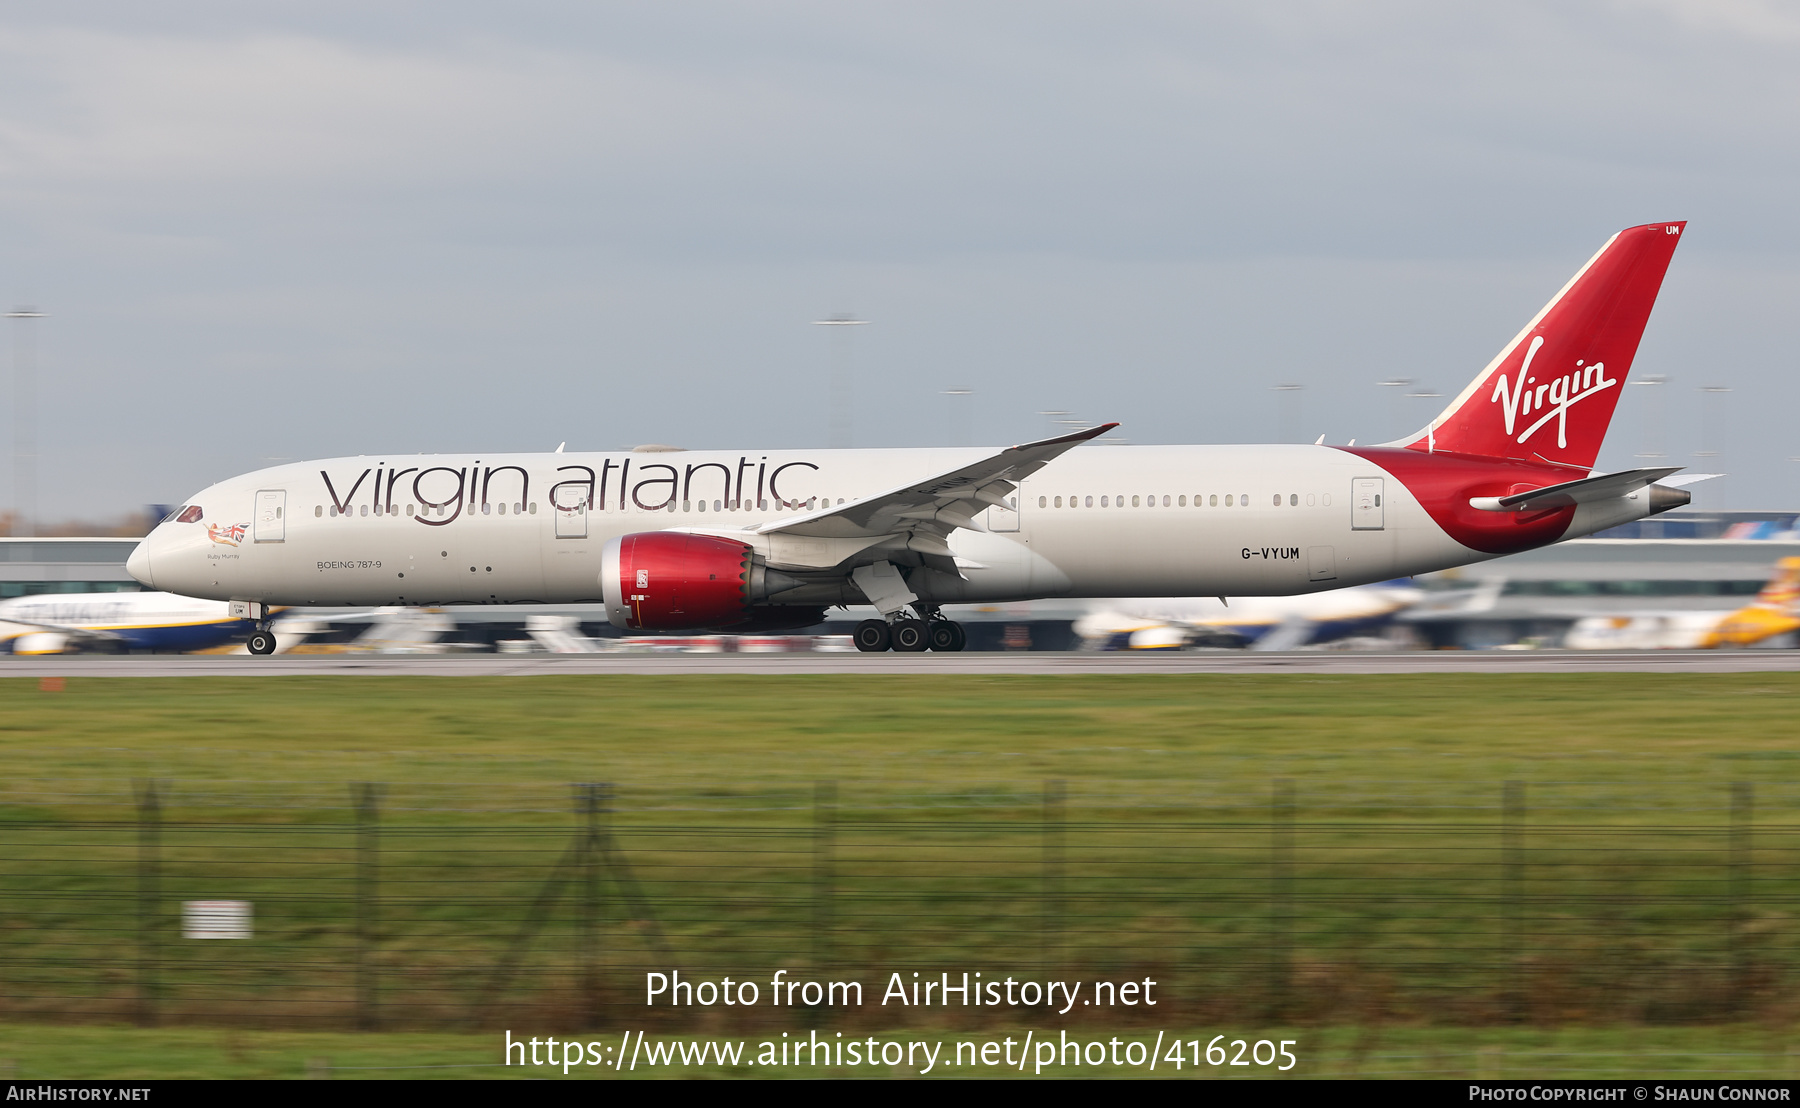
[442, 529]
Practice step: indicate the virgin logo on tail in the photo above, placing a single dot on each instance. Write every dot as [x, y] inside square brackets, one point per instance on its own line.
[1519, 396]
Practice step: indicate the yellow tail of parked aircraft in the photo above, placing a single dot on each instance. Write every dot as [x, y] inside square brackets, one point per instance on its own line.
[1772, 613]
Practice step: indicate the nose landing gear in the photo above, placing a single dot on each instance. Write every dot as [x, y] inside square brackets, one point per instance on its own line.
[262, 642]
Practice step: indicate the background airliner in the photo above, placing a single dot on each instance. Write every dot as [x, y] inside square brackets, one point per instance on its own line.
[1774, 613]
[54, 622]
[1261, 622]
[765, 539]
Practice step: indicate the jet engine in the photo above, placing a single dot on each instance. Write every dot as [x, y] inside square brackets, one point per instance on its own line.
[671, 581]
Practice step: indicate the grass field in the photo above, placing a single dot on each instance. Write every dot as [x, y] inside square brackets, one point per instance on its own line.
[1329, 852]
[1150, 735]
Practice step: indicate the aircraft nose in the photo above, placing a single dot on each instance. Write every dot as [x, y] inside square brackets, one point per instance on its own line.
[138, 565]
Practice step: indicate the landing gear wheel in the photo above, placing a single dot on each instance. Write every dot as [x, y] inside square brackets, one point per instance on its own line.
[910, 636]
[872, 636]
[262, 642]
[946, 636]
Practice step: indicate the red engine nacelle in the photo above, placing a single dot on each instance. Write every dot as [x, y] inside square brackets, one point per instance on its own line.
[668, 581]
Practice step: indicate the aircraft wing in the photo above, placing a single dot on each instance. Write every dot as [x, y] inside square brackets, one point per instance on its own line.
[918, 516]
[60, 629]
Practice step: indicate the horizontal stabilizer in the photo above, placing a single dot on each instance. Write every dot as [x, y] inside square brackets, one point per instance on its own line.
[1685, 479]
[1607, 486]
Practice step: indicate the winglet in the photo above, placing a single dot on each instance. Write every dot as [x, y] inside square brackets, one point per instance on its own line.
[1079, 436]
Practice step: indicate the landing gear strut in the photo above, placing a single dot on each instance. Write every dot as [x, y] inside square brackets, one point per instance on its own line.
[262, 639]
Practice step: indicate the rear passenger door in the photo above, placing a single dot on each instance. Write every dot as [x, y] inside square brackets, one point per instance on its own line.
[1365, 504]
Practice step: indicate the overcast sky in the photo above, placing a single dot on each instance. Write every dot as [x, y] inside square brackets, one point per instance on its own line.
[319, 228]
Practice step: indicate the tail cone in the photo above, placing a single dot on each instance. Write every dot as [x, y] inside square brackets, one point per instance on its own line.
[1662, 498]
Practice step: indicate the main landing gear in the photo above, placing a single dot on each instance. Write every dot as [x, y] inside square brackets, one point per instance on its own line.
[909, 636]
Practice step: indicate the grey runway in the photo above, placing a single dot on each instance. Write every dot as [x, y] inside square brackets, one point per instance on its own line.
[1027, 663]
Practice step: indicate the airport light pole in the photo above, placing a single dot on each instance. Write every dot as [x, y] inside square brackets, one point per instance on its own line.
[1715, 395]
[24, 421]
[840, 374]
[1659, 423]
[959, 416]
[1397, 384]
[1289, 412]
[1425, 394]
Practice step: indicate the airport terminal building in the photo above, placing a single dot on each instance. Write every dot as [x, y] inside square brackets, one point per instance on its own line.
[29, 567]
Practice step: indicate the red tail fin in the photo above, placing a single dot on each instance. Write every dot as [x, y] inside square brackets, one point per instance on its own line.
[1550, 394]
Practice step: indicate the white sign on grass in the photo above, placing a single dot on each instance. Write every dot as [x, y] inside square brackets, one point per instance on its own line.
[215, 919]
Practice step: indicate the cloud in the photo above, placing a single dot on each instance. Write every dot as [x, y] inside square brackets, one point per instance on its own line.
[899, 131]
[1143, 210]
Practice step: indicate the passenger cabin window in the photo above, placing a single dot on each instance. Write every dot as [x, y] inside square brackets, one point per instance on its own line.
[1228, 500]
[1183, 502]
[1134, 502]
[1090, 502]
[1215, 500]
[318, 510]
[1293, 500]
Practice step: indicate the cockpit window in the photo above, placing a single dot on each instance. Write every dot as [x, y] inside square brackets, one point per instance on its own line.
[189, 514]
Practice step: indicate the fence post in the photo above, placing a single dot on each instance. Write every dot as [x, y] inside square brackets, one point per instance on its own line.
[1281, 908]
[149, 867]
[1512, 893]
[368, 876]
[824, 846]
[1742, 811]
[1055, 827]
[589, 800]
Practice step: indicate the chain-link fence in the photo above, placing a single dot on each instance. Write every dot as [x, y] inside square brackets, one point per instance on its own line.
[414, 905]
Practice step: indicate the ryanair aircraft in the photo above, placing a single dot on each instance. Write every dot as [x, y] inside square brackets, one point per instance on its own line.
[51, 623]
[766, 539]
